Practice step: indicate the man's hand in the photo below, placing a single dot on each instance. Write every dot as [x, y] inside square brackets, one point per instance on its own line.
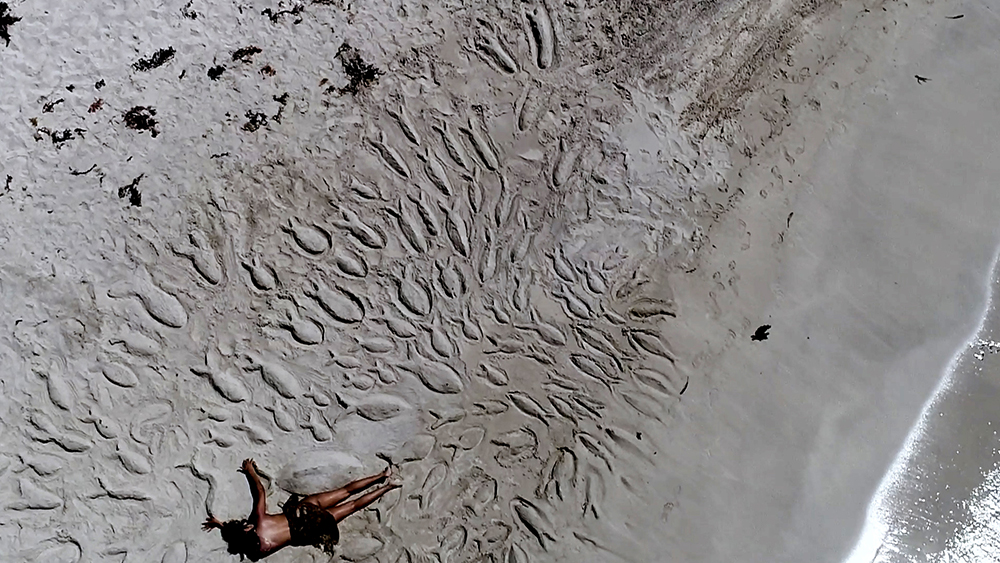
[210, 524]
[249, 466]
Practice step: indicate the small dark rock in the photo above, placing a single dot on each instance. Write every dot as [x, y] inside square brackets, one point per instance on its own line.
[216, 71]
[99, 84]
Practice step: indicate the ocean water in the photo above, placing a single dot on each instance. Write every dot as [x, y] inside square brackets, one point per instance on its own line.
[940, 498]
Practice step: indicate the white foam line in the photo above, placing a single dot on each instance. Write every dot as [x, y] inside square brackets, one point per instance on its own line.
[877, 518]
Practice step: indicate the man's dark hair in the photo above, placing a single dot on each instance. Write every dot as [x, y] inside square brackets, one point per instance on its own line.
[241, 540]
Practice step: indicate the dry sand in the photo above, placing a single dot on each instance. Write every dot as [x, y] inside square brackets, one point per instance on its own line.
[522, 254]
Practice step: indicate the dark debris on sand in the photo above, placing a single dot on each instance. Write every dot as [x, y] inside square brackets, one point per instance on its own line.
[246, 53]
[59, 137]
[216, 71]
[6, 20]
[274, 16]
[256, 121]
[157, 59]
[131, 191]
[761, 333]
[140, 118]
[50, 106]
[361, 74]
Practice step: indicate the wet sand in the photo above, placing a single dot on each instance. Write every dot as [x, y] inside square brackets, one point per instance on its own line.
[885, 277]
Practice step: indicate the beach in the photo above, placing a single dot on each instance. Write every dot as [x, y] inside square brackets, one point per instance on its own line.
[620, 281]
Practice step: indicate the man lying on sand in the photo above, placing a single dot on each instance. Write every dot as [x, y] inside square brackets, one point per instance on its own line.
[310, 520]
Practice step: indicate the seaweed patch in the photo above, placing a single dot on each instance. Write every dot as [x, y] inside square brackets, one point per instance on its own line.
[48, 107]
[140, 118]
[282, 101]
[361, 74]
[256, 121]
[275, 16]
[59, 136]
[6, 20]
[131, 191]
[157, 59]
[246, 53]
[216, 71]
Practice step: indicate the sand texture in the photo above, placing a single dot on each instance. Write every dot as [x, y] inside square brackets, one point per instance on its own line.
[518, 248]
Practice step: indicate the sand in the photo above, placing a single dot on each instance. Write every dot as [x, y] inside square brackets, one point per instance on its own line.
[624, 281]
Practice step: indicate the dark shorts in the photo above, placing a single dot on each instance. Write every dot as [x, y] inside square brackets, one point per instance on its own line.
[311, 525]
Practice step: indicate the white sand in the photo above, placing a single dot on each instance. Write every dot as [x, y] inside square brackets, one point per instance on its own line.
[525, 263]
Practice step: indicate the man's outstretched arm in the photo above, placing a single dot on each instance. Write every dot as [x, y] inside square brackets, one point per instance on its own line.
[257, 491]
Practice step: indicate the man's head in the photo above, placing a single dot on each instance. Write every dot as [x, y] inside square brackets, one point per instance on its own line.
[240, 536]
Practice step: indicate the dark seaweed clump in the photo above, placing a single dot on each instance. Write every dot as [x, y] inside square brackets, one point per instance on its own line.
[246, 53]
[60, 136]
[275, 16]
[256, 121]
[760, 334]
[6, 20]
[140, 118]
[155, 60]
[216, 71]
[361, 74]
[131, 191]
[48, 107]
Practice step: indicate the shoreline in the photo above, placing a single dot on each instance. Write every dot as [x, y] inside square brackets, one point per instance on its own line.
[757, 214]
[878, 530]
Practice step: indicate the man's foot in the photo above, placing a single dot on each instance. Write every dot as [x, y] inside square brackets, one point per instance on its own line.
[392, 478]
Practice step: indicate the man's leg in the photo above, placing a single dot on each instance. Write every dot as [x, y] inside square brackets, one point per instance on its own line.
[330, 499]
[344, 510]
